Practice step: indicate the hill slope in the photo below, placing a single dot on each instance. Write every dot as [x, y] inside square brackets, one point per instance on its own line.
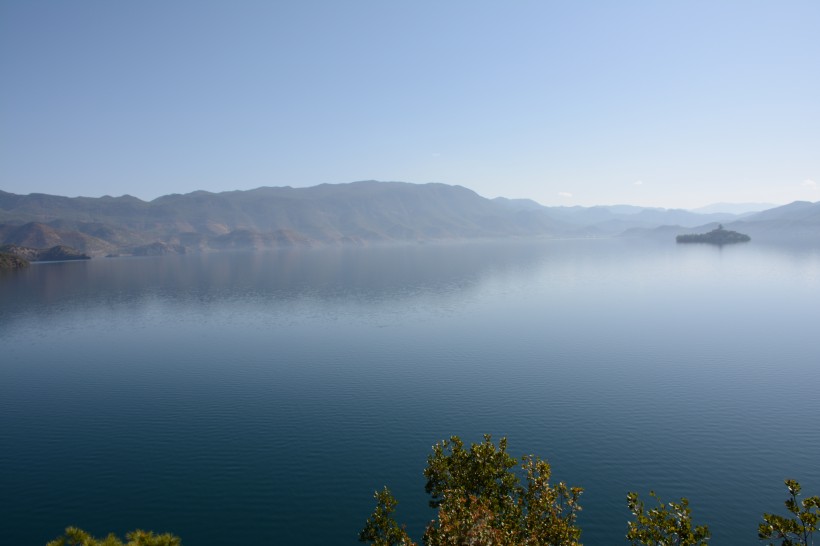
[359, 212]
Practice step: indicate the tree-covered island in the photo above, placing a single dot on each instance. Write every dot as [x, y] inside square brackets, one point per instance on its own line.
[718, 236]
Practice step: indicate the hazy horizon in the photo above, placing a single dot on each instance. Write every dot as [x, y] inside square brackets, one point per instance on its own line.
[674, 106]
[705, 208]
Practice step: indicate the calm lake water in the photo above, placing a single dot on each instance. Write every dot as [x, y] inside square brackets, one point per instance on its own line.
[261, 398]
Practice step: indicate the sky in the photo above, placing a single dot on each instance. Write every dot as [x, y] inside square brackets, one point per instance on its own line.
[653, 103]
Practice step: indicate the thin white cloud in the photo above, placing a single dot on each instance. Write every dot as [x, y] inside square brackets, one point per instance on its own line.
[809, 184]
[638, 183]
[565, 194]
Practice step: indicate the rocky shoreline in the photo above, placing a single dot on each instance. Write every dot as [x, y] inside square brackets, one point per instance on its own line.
[10, 262]
[54, 254]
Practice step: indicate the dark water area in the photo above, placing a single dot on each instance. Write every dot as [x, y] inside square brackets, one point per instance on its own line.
[261, 398]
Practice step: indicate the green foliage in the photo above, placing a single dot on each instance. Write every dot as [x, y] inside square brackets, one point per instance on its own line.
[77, 537]
[664, 525]
[549, 511]
[481, 499]
[483, 471]
[381, 529]
[800, 527]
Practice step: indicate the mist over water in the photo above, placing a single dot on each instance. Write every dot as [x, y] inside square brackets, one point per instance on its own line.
[242, 397]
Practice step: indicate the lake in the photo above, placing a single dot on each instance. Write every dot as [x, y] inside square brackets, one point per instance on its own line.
[242, 398]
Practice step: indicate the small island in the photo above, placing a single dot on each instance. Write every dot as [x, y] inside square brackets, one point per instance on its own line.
[717, 236]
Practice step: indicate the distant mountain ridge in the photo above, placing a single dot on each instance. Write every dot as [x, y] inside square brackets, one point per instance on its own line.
[734, 208]
[797, 222]
[354, 213]
[360, 212]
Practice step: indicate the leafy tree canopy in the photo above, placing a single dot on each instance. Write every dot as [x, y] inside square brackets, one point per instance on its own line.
[482, 498]
[799, 527]
[664, 525]
[485, 497]
[77, 537]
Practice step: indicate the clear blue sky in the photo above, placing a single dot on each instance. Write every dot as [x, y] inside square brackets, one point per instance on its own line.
[662, 103]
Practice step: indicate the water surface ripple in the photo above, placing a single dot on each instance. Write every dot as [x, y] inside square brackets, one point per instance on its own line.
[247, 398]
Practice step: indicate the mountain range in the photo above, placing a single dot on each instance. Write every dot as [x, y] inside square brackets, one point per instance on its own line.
[355, 213]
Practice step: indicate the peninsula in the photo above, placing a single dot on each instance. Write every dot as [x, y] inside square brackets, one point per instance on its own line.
[10, 261]
[718, 236]
[54, 254]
